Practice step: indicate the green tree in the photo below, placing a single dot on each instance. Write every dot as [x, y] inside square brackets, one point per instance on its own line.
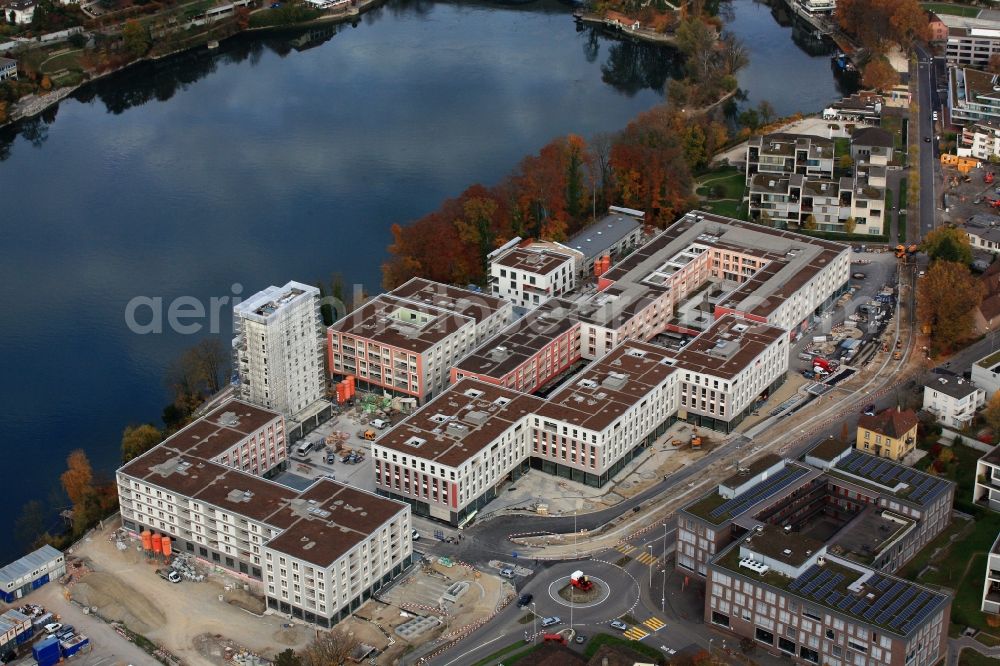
[287, 658]
[30, 524]
[136, 440]
[948, 244]
[845, 161]
[476, 226]
[849, 225]
[135, 39]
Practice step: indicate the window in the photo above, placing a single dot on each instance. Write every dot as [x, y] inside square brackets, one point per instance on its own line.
[809, 655]
[786, 645]
[764, 636]
[720, 619]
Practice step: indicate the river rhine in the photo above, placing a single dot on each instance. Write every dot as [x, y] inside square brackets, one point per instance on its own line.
[267, 161]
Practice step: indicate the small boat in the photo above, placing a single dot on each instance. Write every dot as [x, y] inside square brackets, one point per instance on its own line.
[213, 44]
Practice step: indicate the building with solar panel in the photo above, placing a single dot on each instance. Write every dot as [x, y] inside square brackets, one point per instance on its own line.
[869, 510]
[791, 595]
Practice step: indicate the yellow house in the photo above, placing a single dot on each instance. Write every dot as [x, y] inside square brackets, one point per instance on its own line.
[890, 434]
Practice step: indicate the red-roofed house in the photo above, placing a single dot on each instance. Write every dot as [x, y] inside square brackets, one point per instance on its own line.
[889, 434]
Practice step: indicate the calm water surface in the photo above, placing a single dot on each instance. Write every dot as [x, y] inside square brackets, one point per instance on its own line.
[271, 160]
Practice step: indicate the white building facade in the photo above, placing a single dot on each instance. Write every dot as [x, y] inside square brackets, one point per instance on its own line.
[953, 401]
[278, 348]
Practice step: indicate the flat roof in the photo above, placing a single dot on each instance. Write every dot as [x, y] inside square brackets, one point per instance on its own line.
[402, 323]
[872, 136]
[766, 461]
[851, 590]
[788, 259]
[602, 392]
[33, 561]
[328, 519]
[539, 262]
[603, 234]
[728, 347]
[786, 143]
[460, 422]
[221, 429]
[890, 478]
[957, 388]
[829, 449]
[524, 338]
[271, 301]
[791, 548]
[465, 302]
[270, 503]
[993, 456]
[716, 509]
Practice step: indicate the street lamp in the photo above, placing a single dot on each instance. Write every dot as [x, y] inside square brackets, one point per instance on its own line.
[663, 580]
[534, 619]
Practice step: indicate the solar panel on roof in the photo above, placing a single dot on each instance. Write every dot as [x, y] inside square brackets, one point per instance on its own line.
[860, 606]
[759, 492]
[910, 609]
[833, 598]
[885, 584]
[801, 580]
[814, 583]
[845, 602]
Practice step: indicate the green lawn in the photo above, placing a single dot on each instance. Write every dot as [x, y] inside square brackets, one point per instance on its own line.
[508, 655]
[728, 208]
[893, 124]
[607, 639]
[969, 657]
[724, 184]
[948, 8]
[62, 61]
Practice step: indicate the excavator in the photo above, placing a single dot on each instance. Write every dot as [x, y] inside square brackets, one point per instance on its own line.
[902, 251]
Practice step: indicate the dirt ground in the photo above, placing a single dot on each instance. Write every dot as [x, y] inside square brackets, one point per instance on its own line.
[175, 615]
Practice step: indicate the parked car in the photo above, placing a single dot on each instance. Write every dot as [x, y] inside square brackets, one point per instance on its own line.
[619, 625]
[67, 631]
[524, 600]
[415, 535]
[858, 276]
[381, 424]
[331, 458]
[870, 410]
[169, 574]
[53, 627]
[507, 572]
[581, 638]
[551, 620]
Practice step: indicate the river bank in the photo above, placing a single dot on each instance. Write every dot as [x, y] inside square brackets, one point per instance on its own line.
[34, 104]
[633, 31]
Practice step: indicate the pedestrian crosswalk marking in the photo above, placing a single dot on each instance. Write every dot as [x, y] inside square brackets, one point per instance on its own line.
[625, 548]
[654, 623]
[636, 634]
[647, 559]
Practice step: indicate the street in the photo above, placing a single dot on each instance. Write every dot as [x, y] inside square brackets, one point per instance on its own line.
[928, 101]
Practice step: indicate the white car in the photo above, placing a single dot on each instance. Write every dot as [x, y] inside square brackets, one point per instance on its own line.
[53, 627]
[619, 625]
[551, 620]
[415, 536]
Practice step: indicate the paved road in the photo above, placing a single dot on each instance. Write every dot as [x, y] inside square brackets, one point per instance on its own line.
[927, 97]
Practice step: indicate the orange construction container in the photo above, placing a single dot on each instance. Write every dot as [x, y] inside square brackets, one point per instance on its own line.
[157, 543]
[167, 548]
[598, 267]
[350, 384]
[147, 540]
[607, 262]
[341, 392]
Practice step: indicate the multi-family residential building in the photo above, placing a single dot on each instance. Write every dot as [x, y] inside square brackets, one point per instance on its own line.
[818, 6]
[889, 434]
[954, 401]
[872, 145]
[30, 572]
[980, 140]
[278, 348]
[794, 597]
[527, 276]
[971, 40]
[529, 353]
[784, 154]
[8, 69]
[451, 457]
[827, 204]
[986, 374]
[405, 342]
[973, 96]
[874, 511]
[316, 554]
[615, 235]
[991, 585]
[862, 107]
[727, 369]
[986, 492]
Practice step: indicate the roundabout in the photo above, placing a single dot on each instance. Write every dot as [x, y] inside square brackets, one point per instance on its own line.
[614, 592]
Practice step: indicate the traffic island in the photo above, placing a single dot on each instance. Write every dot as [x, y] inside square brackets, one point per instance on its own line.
[575, 595]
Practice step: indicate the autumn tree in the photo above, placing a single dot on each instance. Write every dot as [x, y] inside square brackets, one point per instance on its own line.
[948, 244]
[879, 74]
[850, 224]
[138, 439]
[329, 648]
[78, 479]
[878, 24]
[991, 413]
[993, 67]
[845, 161]
[810, 222]
[476, 227]
[30, 524]
[135, 39]
[199, 371]
[946, 301]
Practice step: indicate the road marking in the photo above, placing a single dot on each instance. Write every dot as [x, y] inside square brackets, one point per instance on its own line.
[475, 649]
[654, 623]
[625, 548]
[647, 559]
[636, 634]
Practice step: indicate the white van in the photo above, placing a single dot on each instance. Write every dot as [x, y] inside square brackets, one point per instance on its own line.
[303, 449]
[380, 424]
